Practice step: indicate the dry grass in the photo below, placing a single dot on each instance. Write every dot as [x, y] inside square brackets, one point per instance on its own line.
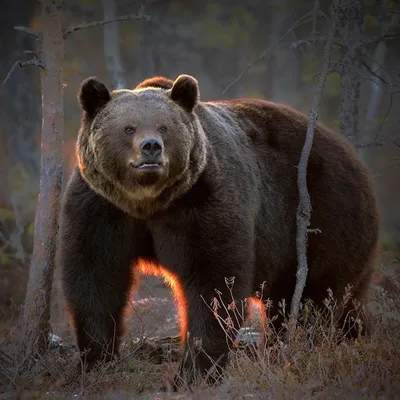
[316, 364]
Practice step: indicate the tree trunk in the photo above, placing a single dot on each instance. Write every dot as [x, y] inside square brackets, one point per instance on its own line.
[350, 31]
[372, 117]
[36, 315]
[111, 46]
[303, 215]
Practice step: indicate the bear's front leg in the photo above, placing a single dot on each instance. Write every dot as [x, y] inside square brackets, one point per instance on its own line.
[205, 258]
[97, 246]
[213, 324]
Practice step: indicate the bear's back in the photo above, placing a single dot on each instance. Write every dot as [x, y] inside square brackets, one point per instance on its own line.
[261, 141]
[275, 135]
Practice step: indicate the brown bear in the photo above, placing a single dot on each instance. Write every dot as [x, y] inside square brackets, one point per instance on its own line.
[203, 191]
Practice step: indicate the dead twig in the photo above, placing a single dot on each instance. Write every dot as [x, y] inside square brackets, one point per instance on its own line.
[304, 208]
[387, 112]
[28, 31]
[85, 25]
[390, 72]
[374, 143]
[34, 61]
[343, 64]
[373, 73]
[376, 39]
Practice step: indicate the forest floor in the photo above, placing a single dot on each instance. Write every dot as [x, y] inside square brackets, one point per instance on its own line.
[368, 368]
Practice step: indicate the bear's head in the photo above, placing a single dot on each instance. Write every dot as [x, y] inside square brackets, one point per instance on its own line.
[141, 148]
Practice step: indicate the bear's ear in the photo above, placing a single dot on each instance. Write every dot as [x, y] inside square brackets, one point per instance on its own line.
[93, 95]
[185, 92]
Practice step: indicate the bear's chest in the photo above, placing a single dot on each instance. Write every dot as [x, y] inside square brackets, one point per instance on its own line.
[173, 237]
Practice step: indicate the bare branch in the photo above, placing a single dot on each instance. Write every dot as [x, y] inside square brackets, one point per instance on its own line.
[396, 144]
[30, 52]
[365, 142]
[373, 73]
[128, 17]
[28, 31]
[19, 63]
[34, 61]
[376, 39]
[390, 72]
[304, 208]
[343, 64]
[363, 145]
[387, 112]
[301, 21]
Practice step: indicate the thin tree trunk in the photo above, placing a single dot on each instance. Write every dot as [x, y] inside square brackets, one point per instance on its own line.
[111, 46]
[36, 315]
[35, 331]
[351, 28]
[372, 117]
[304, 208]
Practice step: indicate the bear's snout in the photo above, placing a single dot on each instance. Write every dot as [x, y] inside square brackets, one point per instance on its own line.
[151, 147]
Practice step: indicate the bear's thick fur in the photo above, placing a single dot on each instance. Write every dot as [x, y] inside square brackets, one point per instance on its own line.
[208, 191]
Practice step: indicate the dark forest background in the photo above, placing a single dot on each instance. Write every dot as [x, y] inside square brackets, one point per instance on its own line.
[275, 47]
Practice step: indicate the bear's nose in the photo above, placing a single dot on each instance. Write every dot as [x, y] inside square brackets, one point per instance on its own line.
[151, 147]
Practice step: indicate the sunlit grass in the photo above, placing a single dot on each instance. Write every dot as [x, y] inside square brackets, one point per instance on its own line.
[315, 364]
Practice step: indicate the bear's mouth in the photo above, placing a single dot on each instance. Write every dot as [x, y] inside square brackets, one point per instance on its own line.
[149, 165]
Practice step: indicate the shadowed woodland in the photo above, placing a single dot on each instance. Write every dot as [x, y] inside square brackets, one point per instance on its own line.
[271, 50]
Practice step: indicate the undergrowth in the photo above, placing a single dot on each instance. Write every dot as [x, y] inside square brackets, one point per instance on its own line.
[318, 362]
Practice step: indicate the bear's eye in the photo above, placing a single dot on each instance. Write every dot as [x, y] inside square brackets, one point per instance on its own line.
[162, 129]
[130, 130]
